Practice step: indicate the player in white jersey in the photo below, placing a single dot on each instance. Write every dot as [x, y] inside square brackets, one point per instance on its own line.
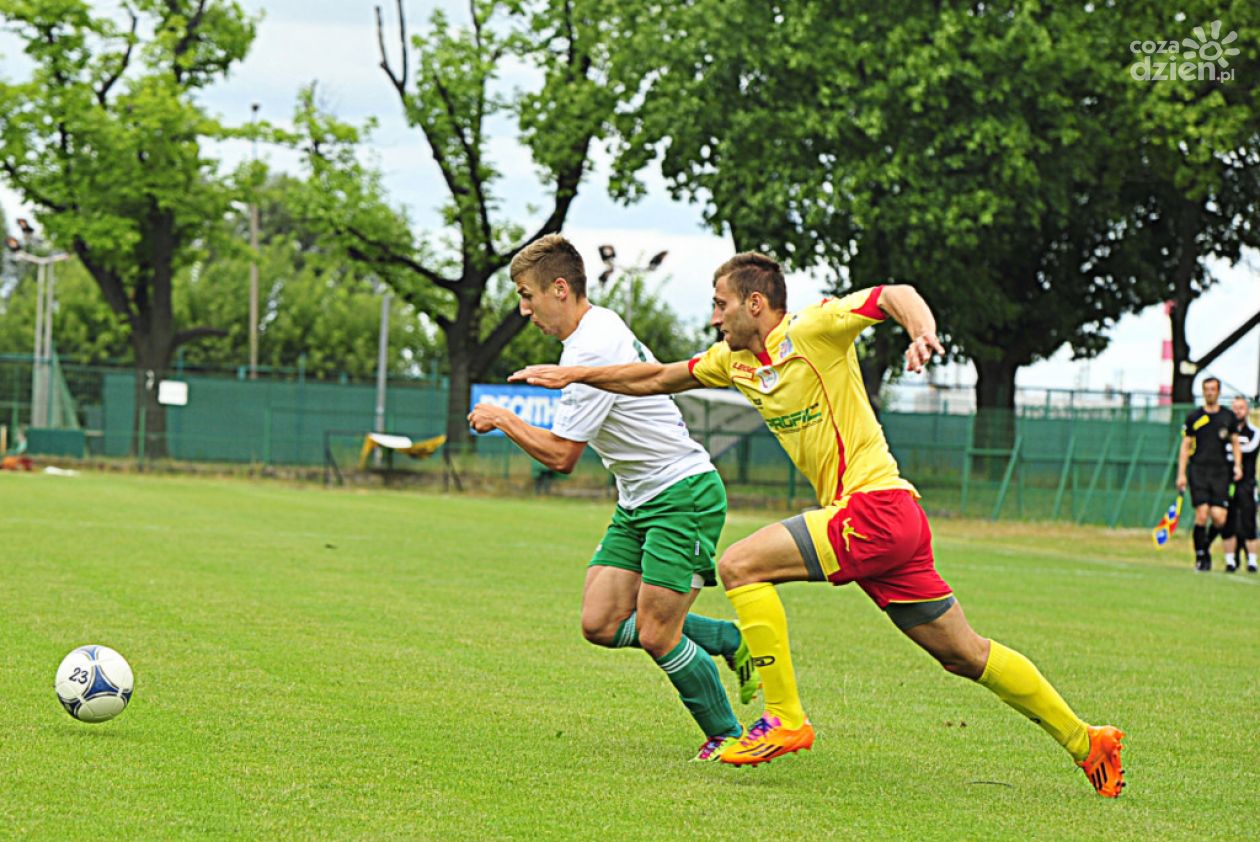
[658, 551]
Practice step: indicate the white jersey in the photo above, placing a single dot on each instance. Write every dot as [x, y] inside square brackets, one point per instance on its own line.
[642, 440]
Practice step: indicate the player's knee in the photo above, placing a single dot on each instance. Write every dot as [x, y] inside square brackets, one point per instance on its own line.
[658, 641]
[737, 566]
[966, 661]
[599, 631]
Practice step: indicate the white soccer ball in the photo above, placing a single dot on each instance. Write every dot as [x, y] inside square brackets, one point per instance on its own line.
[94, 683]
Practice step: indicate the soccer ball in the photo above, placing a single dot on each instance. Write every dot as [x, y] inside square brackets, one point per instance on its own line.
[94, 683]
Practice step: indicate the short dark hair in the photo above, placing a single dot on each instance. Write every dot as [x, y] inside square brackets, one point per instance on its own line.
[1207, 380]
[550, 257]
[750, 272]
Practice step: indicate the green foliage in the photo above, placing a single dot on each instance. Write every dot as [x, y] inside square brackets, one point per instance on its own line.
[84, 327]
[455, 96]
[106, 140]
[986, 153]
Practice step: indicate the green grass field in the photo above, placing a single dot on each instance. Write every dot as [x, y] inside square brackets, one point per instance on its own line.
[339, 664]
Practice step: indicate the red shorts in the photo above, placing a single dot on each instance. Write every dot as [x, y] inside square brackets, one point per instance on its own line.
[879, 539]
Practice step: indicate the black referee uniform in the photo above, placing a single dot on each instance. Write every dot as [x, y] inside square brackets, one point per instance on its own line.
[1242, 506]
[1208, 472]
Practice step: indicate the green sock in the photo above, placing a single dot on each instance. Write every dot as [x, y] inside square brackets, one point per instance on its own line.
[695, 676]
[717, 637]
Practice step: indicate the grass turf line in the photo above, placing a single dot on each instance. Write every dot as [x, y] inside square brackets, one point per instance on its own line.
[382, 664]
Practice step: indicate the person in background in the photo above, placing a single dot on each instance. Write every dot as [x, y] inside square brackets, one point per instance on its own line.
[1201, 465]
[1240, 526]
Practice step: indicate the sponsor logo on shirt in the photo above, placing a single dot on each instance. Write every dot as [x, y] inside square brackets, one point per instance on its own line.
[785, 348]
[798, 420]
[767, 377]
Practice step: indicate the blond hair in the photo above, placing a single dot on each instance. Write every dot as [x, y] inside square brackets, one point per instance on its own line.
[547, 258]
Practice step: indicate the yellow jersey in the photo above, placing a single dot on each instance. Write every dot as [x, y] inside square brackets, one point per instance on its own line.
[808, 388]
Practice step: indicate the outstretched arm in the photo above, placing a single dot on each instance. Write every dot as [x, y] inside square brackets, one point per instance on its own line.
[628, 379]
[904, 304]
[545, 446]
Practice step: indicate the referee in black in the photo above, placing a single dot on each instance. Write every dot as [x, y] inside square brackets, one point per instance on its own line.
[1240, 528]
[1209, 430]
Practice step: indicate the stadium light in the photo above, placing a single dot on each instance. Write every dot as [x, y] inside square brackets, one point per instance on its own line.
[608, 254]
[45, 303]
[253, 259]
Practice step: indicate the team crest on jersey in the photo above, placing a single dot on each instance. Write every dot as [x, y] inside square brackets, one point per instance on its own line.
[785, 348]
[767, 377]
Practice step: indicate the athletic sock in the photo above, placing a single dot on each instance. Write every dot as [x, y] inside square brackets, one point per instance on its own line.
[717, 637]
[764, 625]
[627, 633]
[1212, 532]
[1251, 559]
[1200, 541]
[1016, 680]
[692, 672]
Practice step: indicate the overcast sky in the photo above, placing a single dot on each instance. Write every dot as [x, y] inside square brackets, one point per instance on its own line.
[335, 43]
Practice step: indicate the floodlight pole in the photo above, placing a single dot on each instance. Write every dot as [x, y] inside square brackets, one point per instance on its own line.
[382, 361]
[41, 358]
[38, 401]
[253, 263]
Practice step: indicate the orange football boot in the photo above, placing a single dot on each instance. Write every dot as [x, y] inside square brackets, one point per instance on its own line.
[766, 740]
[1102, 766]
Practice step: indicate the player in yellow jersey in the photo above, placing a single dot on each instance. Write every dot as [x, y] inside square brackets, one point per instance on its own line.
[801, 373]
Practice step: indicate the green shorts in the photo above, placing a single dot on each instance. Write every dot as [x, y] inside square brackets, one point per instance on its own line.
[670, 539]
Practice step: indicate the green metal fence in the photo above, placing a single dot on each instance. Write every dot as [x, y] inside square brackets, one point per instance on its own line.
[1111, 466]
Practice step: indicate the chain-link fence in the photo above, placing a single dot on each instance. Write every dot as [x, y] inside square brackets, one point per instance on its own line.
[1056, 459]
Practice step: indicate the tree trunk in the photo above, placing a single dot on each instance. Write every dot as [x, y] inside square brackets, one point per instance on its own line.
[1187, 267]
[461, 346]
[1182, 384]
[150, 416]
[995, 410]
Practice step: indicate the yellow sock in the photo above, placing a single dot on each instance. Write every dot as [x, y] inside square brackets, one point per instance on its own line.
[764, 625]
[1017, 681]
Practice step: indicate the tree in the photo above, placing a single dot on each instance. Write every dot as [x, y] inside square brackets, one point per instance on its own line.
[106, 141]
[980, 152]
[453, 101]
[1198, 155]
[316, 307]
[85, 329]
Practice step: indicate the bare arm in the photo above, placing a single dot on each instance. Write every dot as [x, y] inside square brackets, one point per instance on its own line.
[628, 379]
[1233, 441]
[908, 308]
[545, 446]
[1183, 456]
